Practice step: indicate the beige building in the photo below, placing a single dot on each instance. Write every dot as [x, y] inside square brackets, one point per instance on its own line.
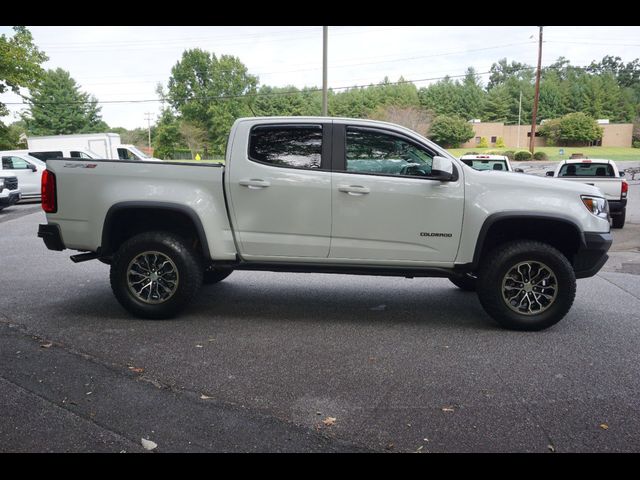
[614, 135]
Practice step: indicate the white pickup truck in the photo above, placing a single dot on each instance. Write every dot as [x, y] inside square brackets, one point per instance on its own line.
[328, 195]
[602, 174]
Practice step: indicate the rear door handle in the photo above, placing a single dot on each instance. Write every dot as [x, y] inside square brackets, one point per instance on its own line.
[353, 189]
[254, 183]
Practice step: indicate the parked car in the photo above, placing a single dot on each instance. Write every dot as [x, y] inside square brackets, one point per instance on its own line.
[329, 195]
[44, 155]
[9, 192]
[600, 173]
[27, 169]
[489, 162]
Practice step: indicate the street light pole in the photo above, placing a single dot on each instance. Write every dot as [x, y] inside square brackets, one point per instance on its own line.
[325, 41]
[536, 97]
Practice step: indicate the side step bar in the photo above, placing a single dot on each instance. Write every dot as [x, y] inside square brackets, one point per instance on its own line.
[83, 257]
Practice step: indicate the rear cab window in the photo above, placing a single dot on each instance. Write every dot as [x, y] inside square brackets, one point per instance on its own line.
[479, 164]
[586, 170]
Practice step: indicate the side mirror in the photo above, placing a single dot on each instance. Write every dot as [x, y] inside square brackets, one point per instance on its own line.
[549, 174]
[32, 167]
[442, 169]
[622, 173]
[518, 170]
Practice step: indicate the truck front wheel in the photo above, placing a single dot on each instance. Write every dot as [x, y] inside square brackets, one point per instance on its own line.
[155, 275]
[526, 285]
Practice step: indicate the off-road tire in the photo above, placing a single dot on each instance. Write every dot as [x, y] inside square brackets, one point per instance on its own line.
[187, 263]
[497, 264]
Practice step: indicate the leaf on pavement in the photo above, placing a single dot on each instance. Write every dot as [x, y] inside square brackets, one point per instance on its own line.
[448, 409]
[604, 426]
[148, 444]
[46, 345]
[204, 397]
[329, 421]
[136, 369]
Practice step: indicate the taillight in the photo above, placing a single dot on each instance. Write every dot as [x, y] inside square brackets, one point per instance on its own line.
[625, 188]
[48, 191]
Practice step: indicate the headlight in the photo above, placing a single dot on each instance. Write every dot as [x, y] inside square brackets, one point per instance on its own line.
[596, 205]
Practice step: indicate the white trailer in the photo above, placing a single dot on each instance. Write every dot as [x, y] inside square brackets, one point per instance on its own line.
[104, 145]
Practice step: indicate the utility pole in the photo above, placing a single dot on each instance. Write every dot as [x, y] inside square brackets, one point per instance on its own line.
[325, 40]
[148, 119]
[536, 97]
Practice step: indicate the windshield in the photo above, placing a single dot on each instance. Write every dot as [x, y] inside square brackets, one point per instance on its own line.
[499, 165]
[586, 170]
[138, 152]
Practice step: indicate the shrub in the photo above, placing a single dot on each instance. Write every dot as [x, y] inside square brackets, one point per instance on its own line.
[484, 143]
[572, 129]
[500, 142]
[636, 144]
[510, 154]
[450, 131]
[540, 156]
[522, 155]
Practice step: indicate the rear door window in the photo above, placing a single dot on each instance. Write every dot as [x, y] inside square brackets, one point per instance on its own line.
[292, 146]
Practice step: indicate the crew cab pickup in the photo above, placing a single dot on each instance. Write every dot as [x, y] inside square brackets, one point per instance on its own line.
[328, 195]
[602, 174]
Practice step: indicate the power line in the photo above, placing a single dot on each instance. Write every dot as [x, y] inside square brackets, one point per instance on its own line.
[251, 95]
[296, 91]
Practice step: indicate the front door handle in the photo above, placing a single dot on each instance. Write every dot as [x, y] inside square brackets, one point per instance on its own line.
[353, 189]
[254, 183]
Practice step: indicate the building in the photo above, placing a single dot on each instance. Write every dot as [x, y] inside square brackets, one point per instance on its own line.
[514, 136]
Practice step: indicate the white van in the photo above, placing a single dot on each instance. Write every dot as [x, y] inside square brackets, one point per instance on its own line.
[103, 145]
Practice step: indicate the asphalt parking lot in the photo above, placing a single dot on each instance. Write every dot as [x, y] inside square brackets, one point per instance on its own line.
[310, 362]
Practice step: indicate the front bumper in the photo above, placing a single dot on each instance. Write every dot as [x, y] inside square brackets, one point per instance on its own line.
[10, 199]
[592, 255]
[616, 207]
[50, 234]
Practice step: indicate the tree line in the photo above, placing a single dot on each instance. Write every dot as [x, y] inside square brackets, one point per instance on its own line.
[205, 93]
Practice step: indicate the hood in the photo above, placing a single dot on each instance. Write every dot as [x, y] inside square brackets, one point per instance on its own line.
[523, 180]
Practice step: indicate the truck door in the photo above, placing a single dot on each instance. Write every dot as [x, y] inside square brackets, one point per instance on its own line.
[279, 190]
[385, 206]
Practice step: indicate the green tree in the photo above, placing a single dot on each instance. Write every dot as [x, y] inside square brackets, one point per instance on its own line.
[496, 105]
[211, 92]
[20, 67]
[167, 136]
[57, 106]
[10, 136]
[450, 131]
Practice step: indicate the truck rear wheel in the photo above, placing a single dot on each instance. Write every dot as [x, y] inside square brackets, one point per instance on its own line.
[618, 220]
[155, 275]
[526, 285]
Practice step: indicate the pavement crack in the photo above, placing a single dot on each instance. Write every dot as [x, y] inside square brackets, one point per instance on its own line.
[621, 288]
[85, 418]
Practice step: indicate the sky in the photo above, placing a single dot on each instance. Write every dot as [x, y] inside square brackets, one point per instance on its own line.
[126, 62]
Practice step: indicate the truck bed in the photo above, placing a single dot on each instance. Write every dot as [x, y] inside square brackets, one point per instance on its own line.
[87, 190]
